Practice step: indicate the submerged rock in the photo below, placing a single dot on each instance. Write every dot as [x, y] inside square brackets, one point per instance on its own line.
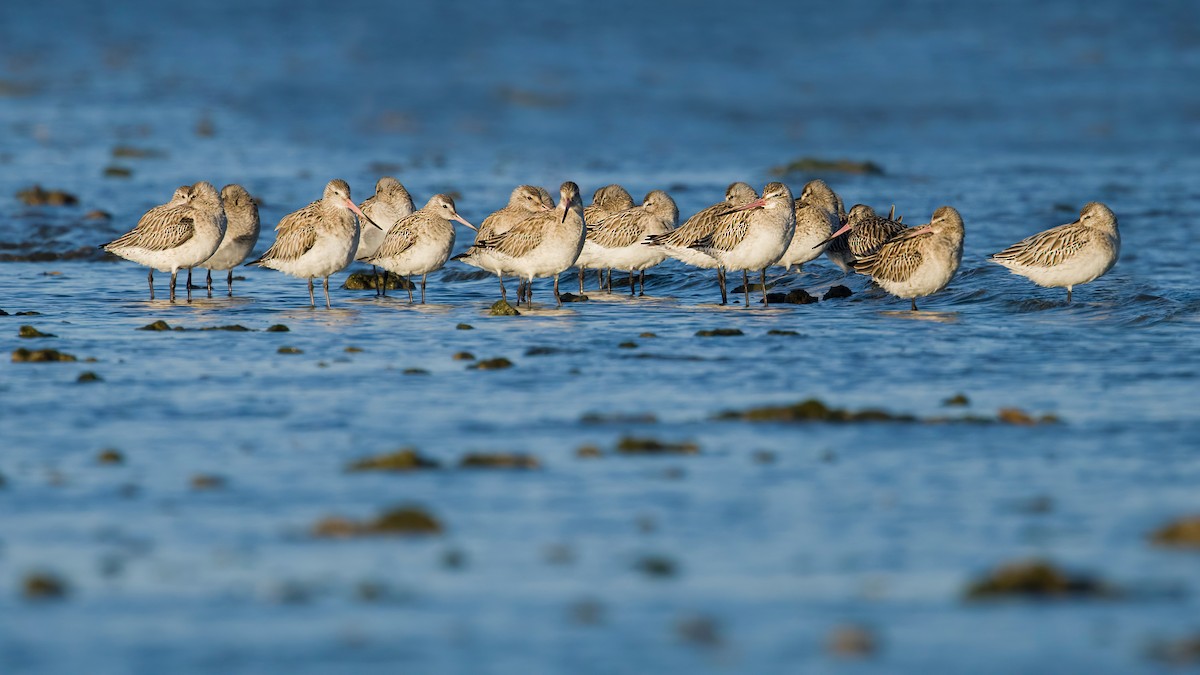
[571, 297]
[408, 520]
[811, 410]
[1036, 579]
[31, 332]
[89, 376]
[588, 452]
[38, 196]
[627, 345]
[957, 400]
[498, 460]
[289, 350]
[464, 326]
[702, 631]
[414, 371]
[630, 445]
[1181, 533]
[719, 332]
[40, 356]
[236, 328]
[647, 334]
[777, 331]
[367, 281]
[207, 481]
[1179, 652]
[851, 642]
[407, 459]
[502, 308]
[836, 292]
[463, 356]
[43, 586]
[618, 418]
[114, 171]
[110, 456]
[157, 325]
[796, 296]
[278, 328]
[658, 566]
[491, 364]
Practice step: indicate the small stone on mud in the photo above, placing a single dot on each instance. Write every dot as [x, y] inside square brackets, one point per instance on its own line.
[278, 328]
[37, 196]
[31, 332]
[499, 460]
[463, 356]
[40, 356]
[851, 642]
[1182, 533]
[157, 325]
[207, 481]
[719, 332]
[464, 326]
[1036, 579]
[588, 452]
[502, 308]
[957, 400]
[89, 376]
[492, 364]
[110, 456]
[43, 586]
[629, 445]
[289, 350]
[836, 292]
[406, 459]
[571, 297]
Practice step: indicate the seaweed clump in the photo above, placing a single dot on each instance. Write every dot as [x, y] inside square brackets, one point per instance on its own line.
[502, 308]
[498, 460]
[630, 445]
[1181, 533]
[812, 410]
[719, 332]
[38, 196]
[23, 355]
[367, 281]
[31, 332]
[43, 586]
[402, 521]
[406, 459]
[491, 364]
[1036, 579]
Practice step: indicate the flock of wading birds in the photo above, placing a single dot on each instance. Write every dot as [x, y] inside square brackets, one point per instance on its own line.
[532, 237]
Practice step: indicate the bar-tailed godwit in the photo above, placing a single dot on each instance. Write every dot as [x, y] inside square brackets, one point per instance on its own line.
[816, 218]
[544, 244]
[1067, 255]
[385, 208]
[918, 261]
[524, 201]
[754, 235]
[241, 234]
[180, 234]
[318, 240]
[617, 242]
[420, 243]
[606, 201]
[862, 234]
[678, 242]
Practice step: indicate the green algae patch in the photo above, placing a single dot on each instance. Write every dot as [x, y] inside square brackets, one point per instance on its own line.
[810, 165]
[1181, 533]
[719, 332]
[289, 350]
[491, 364]
[40, 356]
[157, 325]
[630, 445]
[405, 459]
[367, 281]
[31, 332]
[278, 328]
[1036, 580]
[402, 521]
[498, 460]
[502, 308]
[43, 586]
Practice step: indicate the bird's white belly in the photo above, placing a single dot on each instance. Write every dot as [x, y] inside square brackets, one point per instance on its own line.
[328, 255]
[1079, 269]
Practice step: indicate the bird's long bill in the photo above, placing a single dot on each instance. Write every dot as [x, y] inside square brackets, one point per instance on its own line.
[464, 222]
[845, 228]
[917, 231]
[757, 203]
[566, 210]
[362, 217]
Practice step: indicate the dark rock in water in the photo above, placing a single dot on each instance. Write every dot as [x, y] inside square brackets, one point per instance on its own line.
[618, 418]
[492, 364]
[571, 297]
[502, 308]
[651, 446]
[40, 356]
[157, 325]
[464, 326]
[777, 331]
[37, 196]
[289, 350]
[957, 400]
[1019, 417]
[407, 459]
[117, 172]
[499, 460]
[130, 152]
[353, 350]
[31, 332]
[836, 292]
[719, 332]
[235, 328]
[1182, 533]
[366, 281]
[659, 566]
[3, 313]
[207, 481]
[851, 642]
[1036, 579]
[28, 313]
[810, 165]
[43, 586]
[399, 521]
[89, 376]
[588, 452]
[278, 328]
[647, 335]
[811, 410]
[97, 214]
[110, 456]
[414, 371]
[796, 296]
[463, 356]
[627, 345]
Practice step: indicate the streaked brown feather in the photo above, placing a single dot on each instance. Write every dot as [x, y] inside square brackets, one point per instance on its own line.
[160, 229]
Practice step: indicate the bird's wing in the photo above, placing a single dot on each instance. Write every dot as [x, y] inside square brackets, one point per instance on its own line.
[619, 230]
[1046, 249]
[162, 228]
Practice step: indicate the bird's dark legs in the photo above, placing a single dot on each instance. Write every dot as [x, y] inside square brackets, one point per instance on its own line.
[557, 297]
[503, 293]
[312, 302]
[325, 284]
[380, 282]
[409, 287]
[229, 280]
[189, 285]
[721, 283]
[1068, 295]
[764, 286]
[150, 280]
[581, 280]
[642, 275]
[208, 282]
[632, 286]
[746, 287]
[914, 304]
[422, 289]
[173, 286]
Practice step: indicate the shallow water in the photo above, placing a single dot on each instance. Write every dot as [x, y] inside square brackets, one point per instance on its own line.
[1016, 116]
